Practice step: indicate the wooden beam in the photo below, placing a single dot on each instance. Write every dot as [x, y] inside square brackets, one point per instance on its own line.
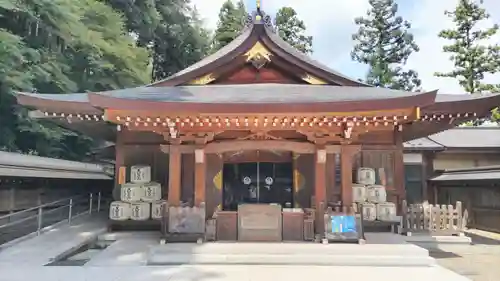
[120, 169]
[159, 117]
[199, 177]
[183, 149]
[399, 168]
[320, 188]
[333, 149]
[346, 155]
[174, 176]
[226, 146]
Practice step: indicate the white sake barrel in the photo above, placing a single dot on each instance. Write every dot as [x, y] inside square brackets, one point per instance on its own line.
[119, 211]
[157, 209]
[376, 194]
[152, 192]
[366, 175]
[140, 211]
[369, 212]
[358, 192]
[140, 174]
[386, 211]
[131, 192]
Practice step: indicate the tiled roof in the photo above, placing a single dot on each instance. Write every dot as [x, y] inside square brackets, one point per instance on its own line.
[460, 137]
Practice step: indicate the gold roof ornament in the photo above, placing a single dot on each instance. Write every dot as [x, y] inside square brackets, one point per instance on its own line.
[258, 55]
[313, 80]
[258, 51]
[258, 16]
[204, 80]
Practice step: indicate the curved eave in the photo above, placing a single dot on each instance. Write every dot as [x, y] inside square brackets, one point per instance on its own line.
[278, 47]
[48, 104]
[420, 100]
[21, 161]
[480, 105]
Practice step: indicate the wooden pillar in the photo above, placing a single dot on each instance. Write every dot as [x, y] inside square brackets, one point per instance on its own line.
[320, 188]
[120, 168]
[174, 176]
[427, 173]
[12, 200]
[199, 177]
[346, 153]
[399, 167]
[296, 179]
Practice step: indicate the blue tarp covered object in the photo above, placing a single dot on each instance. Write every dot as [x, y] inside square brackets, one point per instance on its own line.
[343, 224]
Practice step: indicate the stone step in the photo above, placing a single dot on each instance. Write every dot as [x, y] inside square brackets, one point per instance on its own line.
[439, 239]
[297, 259]
[291, 249]
[290, 253]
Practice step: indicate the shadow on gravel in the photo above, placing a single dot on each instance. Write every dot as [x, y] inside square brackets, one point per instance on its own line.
[481, 240]
[439, 254]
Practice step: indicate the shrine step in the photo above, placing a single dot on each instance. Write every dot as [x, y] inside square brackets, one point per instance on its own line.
[318, 260]
[289, 254]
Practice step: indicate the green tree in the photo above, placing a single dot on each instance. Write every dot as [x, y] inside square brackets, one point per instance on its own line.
[384, 42]
[60, 46]
[142, 18]
[292, 29]
[473, 58]
[230, 23]
[171, 29]
[180, 39]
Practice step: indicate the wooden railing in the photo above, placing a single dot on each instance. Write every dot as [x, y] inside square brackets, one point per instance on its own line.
[433, 219]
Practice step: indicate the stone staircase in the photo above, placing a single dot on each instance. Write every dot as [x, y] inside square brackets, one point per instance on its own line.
[380, 250]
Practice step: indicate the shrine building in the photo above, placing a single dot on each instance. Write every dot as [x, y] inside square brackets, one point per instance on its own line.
[259, 123]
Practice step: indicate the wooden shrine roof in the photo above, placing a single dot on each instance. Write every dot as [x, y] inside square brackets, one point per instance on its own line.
[259, 30]
[202, 88]
[255, 98]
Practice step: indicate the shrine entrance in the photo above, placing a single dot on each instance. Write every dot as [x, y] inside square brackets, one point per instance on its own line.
[257, 182]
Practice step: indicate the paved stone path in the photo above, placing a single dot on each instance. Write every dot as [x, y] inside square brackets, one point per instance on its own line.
[40, 250]
[226, 273]
[479, 262]
[25, 261]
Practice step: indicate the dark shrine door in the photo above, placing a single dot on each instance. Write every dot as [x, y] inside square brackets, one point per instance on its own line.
[259, 182]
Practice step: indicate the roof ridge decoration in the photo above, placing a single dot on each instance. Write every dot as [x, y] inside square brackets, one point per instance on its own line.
[257, 17]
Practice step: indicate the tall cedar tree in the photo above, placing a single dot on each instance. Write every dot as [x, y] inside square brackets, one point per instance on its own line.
[385, 43]
[230, 23]
[292, 30]
[473, 58]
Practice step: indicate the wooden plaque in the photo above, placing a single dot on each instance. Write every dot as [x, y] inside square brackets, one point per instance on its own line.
[259, 222]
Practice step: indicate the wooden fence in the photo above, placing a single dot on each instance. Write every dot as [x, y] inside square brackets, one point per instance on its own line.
[433, 219]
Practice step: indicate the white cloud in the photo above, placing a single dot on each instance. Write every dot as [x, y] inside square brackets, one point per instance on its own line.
[331, 23]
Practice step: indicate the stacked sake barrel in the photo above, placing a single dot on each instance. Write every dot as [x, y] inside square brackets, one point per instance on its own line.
[372, 197]
[140, 198]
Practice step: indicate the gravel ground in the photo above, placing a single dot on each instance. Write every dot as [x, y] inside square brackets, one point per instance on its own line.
[479, 262]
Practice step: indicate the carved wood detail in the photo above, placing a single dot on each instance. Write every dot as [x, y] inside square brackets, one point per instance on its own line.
[203, 80]
[258, 55]
[260, 135]
[313, 80]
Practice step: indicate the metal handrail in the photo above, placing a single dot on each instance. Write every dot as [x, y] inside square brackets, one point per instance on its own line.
[39, 206]
[72, 202]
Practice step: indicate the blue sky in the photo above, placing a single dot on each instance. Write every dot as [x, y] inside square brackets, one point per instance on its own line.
[331, 23]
